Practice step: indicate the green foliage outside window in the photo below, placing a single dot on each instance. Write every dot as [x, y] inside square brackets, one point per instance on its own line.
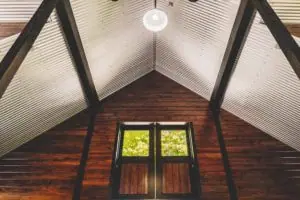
[173, 143]
[136, 143]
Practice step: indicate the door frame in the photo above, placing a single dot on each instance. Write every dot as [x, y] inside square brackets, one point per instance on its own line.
[191, 160]
[155, 161]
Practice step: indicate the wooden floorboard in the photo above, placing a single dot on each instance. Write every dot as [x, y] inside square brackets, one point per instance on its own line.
[45, 168]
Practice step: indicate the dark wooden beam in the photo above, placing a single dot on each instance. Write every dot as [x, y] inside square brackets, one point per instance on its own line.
[284, 39]
[69, 27]
[74, 43]
[19, 50]
[115, 172]
[228, 172]
[195, 169]
[84, 156]
[235, 45]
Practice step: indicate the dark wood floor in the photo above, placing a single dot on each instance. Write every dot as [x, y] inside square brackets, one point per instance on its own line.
[264, 168]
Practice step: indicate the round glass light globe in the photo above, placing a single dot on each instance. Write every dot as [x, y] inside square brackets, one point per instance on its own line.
[155, 20]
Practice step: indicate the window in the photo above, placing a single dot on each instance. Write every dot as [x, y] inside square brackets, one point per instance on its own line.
[136, 143]
[155, 160]
[174, 143]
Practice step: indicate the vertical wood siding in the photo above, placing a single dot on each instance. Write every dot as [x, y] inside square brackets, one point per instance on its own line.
[134, 179]
[176, 178]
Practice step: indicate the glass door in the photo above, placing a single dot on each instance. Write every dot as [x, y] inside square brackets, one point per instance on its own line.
[133, 171]
[177, 171]
[155, 161]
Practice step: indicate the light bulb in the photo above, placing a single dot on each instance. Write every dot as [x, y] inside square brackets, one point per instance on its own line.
[155, 17]
[155, 20]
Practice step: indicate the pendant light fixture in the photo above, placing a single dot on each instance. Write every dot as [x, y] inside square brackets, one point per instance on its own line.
[155, 20]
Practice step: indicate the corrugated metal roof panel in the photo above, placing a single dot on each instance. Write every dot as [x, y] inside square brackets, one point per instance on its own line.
[45, 91]
[287, 10]
[264, 89]
[191, 48]
[119, 49]
[18, 10]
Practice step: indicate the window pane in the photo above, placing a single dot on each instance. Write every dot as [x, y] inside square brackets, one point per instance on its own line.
[136, 143]
[173, 143]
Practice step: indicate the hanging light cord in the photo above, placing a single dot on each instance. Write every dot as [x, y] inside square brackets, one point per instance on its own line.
[154, 42]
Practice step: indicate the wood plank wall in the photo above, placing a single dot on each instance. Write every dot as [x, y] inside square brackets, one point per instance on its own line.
[294, 29]
[8, 29]
[46, 167]
[264, 169]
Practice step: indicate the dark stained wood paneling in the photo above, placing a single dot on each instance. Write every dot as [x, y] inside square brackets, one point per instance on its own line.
[264, 169]
[154, 98]
[176, 178]
[8, 29]
[134, 179]
[46, 167]
[294, 29]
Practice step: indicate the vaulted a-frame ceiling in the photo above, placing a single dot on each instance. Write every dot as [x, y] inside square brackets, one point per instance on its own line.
[119, 49]
[264, 90]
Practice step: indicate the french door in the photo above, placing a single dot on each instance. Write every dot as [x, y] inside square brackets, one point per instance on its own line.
[155, 161]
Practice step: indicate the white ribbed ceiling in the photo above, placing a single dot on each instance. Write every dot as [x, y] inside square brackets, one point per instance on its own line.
[191, 49]
[44, 92]
[17, 10]
[264, 90]
[119, 49]
[287, 10]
